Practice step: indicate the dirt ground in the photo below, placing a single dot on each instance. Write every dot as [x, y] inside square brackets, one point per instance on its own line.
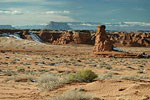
[119, 78]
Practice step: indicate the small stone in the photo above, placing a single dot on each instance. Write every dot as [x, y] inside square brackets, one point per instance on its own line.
[97, 98]
[51, 64]
[60, 71]
[79, 60]
[82, 90]
[39, 63]
[122, 89]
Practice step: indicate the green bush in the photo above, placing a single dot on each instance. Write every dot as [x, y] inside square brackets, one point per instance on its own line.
[21, 70]
[140, 71]
[85, 75]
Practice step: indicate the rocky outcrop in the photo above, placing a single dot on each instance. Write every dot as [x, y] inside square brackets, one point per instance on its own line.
[65, 38]
[131, 39]
[84, 37]
[49, 36]
[102, 42]
[26, 35]
[76, 37]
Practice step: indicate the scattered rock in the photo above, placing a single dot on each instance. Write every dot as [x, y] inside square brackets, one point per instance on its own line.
[122, 89]
[24, 63]
[39, 63]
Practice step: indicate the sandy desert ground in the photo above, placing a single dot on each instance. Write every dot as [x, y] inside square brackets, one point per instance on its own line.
[24, 63]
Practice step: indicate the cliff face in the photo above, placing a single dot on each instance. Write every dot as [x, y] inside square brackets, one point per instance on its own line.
[57, 26]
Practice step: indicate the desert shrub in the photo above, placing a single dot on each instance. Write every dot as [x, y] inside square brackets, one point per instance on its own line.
[122, 98]
[27, 78]
[135, 77]
[108, 67]
[140, 71]
[72, 95]
[21, 70]
[85, 75]
[49, 82]
[105, 76]
[9, 73]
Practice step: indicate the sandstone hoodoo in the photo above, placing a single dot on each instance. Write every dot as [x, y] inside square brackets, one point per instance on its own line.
[104, 46]
[102, 43]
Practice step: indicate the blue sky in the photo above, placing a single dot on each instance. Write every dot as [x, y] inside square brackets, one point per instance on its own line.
[31, 12]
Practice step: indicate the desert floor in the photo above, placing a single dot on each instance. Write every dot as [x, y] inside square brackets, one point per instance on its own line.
[23, 62]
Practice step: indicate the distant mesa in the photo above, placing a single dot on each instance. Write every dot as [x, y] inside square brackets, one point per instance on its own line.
[111, 27]
[57, 26]
[6, 27]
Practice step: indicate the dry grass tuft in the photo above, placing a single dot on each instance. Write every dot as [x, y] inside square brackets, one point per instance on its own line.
[49, 82]
[72, 95]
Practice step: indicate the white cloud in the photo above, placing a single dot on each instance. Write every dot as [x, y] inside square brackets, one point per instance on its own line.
[33, 19]
[32, 12]
[126, 24]
[20, 0]
[35, 2]
[9, 0]
[10, 12]
[84, 24]
[58, 12]
[139, 9]
[137, 23]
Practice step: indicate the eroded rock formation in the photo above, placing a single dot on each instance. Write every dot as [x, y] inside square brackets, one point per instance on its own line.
[26, 35]
[131, 39]
[65, 38]
[102, 43]
[83, 37]
[49, 37]
[119, 39]
[76, 37]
